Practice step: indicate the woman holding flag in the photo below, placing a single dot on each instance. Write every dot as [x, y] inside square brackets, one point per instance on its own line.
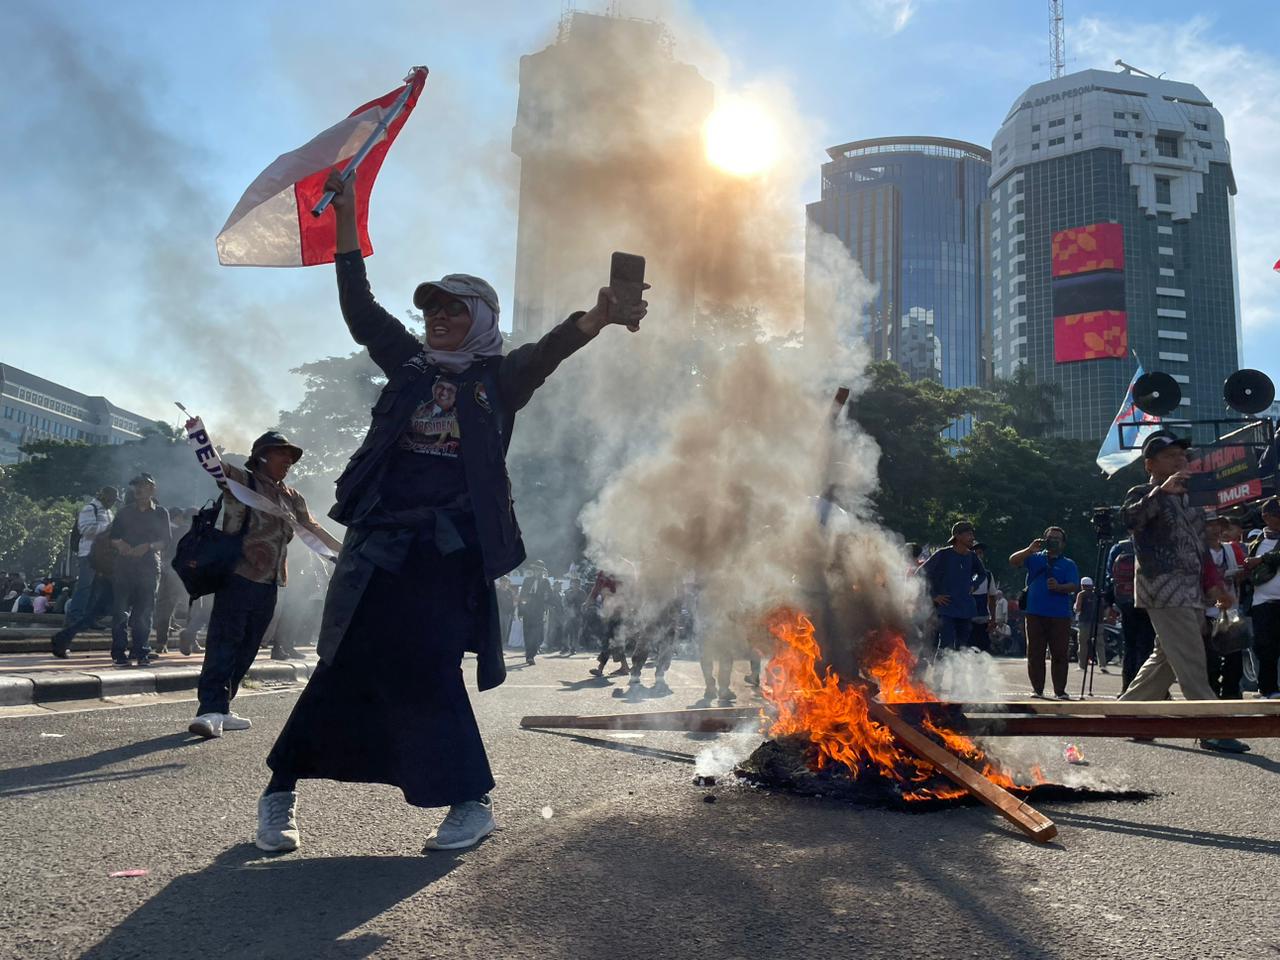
[256, 501]
[431, 525]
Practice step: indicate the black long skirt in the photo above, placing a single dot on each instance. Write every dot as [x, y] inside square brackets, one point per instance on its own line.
[392, 706]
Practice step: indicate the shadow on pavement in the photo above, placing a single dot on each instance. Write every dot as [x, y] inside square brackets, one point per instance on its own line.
[590, 683]
[1151, 831]
[250, 904]
[1253, 759]
[654, 752]
[41, 777]
[734, 879]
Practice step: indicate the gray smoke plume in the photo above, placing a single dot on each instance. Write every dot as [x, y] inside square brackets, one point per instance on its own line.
[710, 434]
[129, 201]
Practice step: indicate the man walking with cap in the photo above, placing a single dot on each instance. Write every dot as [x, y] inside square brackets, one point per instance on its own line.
[951, 574]
[92, 592]
[1168, 540]
[244, 604]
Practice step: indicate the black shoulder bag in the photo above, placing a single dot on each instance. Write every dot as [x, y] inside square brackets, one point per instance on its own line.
[206, 556]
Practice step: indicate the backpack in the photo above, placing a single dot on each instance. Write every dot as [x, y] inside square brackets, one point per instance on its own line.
[74, 537]
[102, 555]
[1123, 571]
[206, 556]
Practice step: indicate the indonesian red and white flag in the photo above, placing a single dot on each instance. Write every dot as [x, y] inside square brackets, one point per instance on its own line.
[272, 225]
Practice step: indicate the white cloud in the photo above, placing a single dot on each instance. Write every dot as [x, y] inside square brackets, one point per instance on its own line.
[891, 16]
[1242, 83]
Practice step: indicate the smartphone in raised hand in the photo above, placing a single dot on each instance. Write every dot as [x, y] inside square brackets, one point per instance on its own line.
[626, 278]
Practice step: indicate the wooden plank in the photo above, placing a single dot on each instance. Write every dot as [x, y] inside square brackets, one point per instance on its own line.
[1102, 708]
[1167, 728]
[708, 720]
[1018, 812]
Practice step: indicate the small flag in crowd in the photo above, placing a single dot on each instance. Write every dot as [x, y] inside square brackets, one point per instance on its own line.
[1277, 266]
[1138, 425]
[272, 225]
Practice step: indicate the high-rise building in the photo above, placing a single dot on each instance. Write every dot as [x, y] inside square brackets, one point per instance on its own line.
[912, 212]
[1112, 233]
[37, 409]
[609, 136]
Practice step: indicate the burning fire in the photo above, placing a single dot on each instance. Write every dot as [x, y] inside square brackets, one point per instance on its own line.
[834, 713]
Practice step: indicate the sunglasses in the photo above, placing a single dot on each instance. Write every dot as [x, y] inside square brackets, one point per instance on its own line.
[450, 308]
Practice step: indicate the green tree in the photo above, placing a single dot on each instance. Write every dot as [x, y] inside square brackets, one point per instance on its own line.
[1023, 404]
[332, 417]
[33, 535]
[906, 419]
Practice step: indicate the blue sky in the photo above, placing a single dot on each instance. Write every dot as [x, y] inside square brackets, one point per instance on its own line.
[138, 124]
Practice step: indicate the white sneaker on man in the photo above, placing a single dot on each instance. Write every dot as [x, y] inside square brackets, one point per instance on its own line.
[207, 725]
[465, 825]
[278, 822]
[232, 722]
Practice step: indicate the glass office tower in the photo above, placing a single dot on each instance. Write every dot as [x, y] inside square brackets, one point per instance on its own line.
[913, 213]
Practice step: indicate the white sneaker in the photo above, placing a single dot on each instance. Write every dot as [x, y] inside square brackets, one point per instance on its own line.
[465, 825]
[207, 725]
[232, 722]
[278, 822]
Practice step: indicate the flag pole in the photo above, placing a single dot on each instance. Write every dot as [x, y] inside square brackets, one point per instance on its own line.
[379, 129]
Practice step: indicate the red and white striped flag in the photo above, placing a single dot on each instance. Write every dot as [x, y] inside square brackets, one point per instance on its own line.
[272, 225]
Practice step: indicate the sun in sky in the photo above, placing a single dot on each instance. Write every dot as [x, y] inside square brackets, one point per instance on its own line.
[741, 138]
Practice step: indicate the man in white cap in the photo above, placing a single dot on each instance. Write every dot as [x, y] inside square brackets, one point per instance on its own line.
[1086, 611]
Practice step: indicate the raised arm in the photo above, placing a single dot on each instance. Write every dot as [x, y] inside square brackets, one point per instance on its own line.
[389, 343]
[526, 368]
[1018, 558]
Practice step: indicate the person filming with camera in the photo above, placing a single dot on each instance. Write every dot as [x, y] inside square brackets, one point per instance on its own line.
[1052, 580]
[1169, 577]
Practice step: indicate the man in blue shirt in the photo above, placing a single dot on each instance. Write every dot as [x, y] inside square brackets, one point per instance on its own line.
[1052, 579]
[952, 573]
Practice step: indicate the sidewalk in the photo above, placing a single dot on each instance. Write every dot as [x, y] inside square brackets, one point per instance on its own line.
[35, 678]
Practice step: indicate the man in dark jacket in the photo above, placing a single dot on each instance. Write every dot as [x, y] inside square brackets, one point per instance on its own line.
[1135, 625]
[140, 533]
[952, 573]
[574, 605]
[535, 601]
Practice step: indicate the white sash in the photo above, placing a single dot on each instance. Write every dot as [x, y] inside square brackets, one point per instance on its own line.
[211, 463]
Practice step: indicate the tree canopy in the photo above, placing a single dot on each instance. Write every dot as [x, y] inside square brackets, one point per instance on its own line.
[1007, 476]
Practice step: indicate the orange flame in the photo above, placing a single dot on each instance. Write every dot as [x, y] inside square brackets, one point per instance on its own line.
[834, 715]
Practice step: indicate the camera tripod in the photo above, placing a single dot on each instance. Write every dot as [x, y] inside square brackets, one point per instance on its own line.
[1106, 540]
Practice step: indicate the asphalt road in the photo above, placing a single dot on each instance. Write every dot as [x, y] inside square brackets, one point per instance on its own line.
[607, 849]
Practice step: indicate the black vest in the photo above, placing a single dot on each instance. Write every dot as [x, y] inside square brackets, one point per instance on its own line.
[485, 427]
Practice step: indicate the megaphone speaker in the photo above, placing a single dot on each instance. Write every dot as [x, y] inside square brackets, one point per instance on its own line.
[1156, 393]
[1249, 391]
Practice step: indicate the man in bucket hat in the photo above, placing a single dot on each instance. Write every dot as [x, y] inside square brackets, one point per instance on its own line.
[1169, 541]
[952, 573]
[244, 605]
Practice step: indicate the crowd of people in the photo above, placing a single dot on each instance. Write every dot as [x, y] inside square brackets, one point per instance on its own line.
[122, 580]
[433, 567]
[1195, 600]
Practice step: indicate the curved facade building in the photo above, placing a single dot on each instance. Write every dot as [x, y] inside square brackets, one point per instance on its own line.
[1139, 167]
[913, 212]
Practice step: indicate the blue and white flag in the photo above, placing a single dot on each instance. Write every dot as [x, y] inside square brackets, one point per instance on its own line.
[1136, 425]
